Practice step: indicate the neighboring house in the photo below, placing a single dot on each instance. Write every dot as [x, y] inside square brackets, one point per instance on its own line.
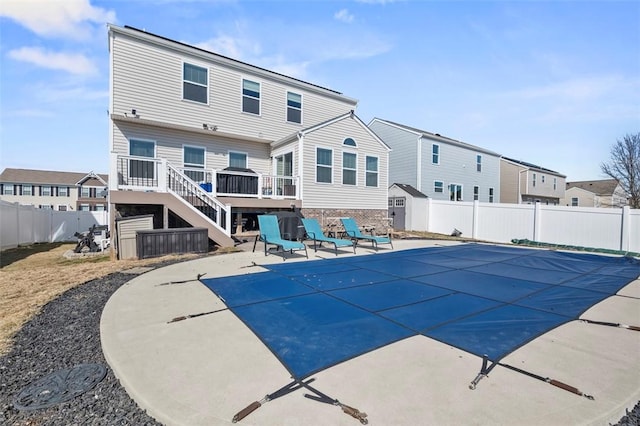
[595, 193]
[437, 166]
[526, 183]
[63, 191]
[199, 139]
[404, 200]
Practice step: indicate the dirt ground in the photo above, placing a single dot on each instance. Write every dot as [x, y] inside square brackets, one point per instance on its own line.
[31, 276]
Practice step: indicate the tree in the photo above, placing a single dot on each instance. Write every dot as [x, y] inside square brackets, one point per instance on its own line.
[624, 166]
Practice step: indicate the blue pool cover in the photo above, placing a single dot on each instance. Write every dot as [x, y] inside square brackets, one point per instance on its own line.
[485, 300]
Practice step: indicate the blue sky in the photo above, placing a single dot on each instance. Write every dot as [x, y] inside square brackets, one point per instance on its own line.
[554, 83]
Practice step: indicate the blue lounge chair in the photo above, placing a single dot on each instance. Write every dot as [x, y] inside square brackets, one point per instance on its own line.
[270, 234]
[352, 231]
[314, 232]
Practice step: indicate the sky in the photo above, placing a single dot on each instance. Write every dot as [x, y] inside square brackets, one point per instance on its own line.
[553, 83]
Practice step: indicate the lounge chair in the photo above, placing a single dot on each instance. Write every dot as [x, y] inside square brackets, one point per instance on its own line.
[270, 234]
[314, 232]
[352, 231]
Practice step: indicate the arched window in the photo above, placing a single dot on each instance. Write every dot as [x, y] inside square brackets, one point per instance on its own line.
[349, 142]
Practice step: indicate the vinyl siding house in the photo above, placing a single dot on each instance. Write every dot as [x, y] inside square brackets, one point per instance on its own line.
[199, 139]
[54, 190]
[526, 183]
[605, 193]
[439, 167]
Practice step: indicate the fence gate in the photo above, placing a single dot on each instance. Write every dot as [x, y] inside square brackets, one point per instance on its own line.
[397, 212]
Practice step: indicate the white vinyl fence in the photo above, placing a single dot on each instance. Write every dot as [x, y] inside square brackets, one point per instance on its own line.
[21, 225]
[605, 228]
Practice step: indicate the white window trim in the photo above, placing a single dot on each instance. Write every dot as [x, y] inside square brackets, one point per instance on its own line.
[231, 151]
[342, 168]
[492, 195]
[439, 153]
[242, 95]
[434, 186]
[461, 191]
[50, 194]
[204, 166]
[478, 163]
[155, 148]
[286, 106]
[377, 172]
[350, 146]
[476, 193]
[315, 164]
[30, 188]
[197, 84]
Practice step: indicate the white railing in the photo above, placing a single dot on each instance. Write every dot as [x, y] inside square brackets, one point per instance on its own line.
[149, 174]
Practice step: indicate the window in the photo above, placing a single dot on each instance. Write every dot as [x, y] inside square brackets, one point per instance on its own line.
[194, 85]
[435, 153]
[63, 191]
[455, 192]
[533, 180]
[27, 189]
[542, 178]
[324, 168]
[45, 190]
[7, 189]
[62, 208]
[250, 97]
[438, 186]
[84, 208]
[142, 169]
[349, 161]
[390, 202]
[491, 195]
[372, 171]
[85, 192]
[574, 201]
[476, 193]
[99, 207]
[479, 163]
[349, 142]
[399, 202]
[294, 107]
[555, 183]
[238, 160]
[193, 158]
[46, 206]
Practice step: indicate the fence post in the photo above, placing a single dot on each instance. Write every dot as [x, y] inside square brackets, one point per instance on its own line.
[625, 229]
[428, 214]
[474, 220]
[537, 213]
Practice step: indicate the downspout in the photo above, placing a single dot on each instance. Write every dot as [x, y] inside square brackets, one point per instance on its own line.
[113, 163]
[300, 164]
[419, 164]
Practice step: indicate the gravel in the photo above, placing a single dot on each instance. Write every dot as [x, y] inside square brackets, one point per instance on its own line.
[67, 333]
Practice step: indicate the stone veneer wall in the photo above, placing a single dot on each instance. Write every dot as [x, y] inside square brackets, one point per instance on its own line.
[375, 218]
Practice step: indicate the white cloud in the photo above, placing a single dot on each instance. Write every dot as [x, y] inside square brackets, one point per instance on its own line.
[343, 15]
[56, 18]
[73, 63]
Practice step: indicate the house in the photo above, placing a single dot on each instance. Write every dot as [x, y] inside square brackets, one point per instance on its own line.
[526, 183]
[439, 167]
[595, 193]
[55, 190]
[200, 139]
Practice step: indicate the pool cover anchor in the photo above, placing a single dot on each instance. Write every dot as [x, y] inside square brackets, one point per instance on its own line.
[484, 372]
[286, 389]
[321, 397]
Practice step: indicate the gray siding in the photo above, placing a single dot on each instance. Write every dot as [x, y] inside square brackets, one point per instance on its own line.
[458, 166]
[337, 195]
[403, 159]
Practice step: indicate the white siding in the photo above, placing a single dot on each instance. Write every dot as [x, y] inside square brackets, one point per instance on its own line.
[337, 195]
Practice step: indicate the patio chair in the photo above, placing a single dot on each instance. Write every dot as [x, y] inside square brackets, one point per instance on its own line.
[270, 234]
[314, 232]
[353, 231]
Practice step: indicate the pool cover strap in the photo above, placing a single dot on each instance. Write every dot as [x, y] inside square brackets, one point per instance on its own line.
[612, 324]
[321, 397]
[486, 368]
[286, 389]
